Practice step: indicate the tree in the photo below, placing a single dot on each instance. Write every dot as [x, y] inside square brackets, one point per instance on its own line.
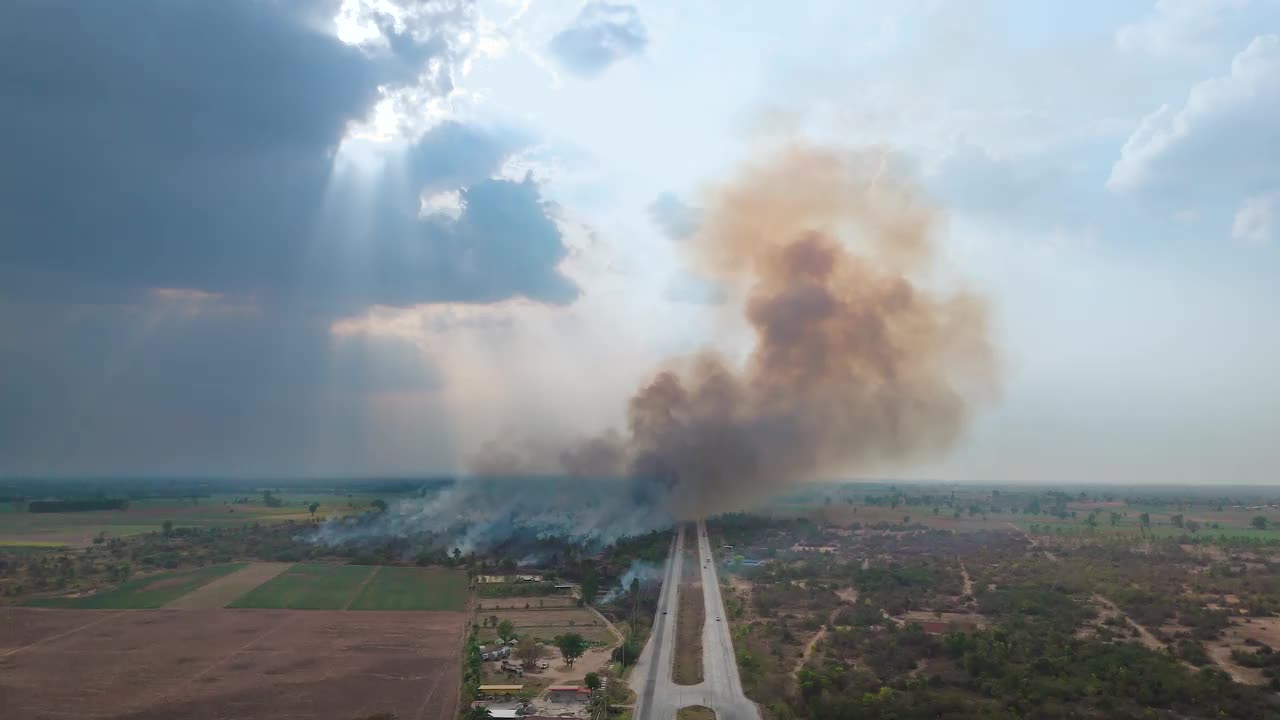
[1144, 521]
[528, 652]
[167, 527]
[379, 504]
[1193, 526]
[593, 681]
[313, 507]
[629, 651]
[1259, 521]
[506, 630]
[1115, 519]
[571, 646]
[1176, 520]
[590, 584]
[476, 713]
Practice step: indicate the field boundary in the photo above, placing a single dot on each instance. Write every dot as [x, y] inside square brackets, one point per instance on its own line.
[359, 590]
[224, 590]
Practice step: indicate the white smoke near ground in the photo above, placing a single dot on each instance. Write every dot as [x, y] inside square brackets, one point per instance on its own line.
[519, 514]
[645, 572]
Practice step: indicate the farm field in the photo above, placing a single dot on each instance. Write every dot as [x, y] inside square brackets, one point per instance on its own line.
[308, 586]
[222, 591]
[402, 588]
[152, 591]
[149, 514]
[538, 602]
[207, 664]
[545, 624]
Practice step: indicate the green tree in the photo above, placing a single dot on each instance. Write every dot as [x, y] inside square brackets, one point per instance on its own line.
[1144, 521]
[476, 713]
[528, 652]
[379, 504]
[506, 630]
[1260, 522]
[590, 584]
[571, 646]
[167, 527]
[313, 507]
[1115, 519]
[592, 681]
[1176, 520]
[629, 651]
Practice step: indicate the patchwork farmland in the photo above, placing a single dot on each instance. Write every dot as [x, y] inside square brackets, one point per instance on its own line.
[242, 640]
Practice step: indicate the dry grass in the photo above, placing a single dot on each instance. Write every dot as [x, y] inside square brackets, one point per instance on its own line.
[545, 624]
[695, 712]
[687, 668]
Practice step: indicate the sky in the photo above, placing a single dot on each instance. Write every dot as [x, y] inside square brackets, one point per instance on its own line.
[370, 237]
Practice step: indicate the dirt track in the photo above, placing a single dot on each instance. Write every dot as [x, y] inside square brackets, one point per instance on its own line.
[218, 664]
[222, 591]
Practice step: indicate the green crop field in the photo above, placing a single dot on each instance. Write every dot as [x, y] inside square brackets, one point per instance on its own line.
[149, 515]
[308, 587]
[152, 591]
[398, 588]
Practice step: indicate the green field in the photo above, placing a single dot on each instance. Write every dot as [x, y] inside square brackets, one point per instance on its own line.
[398, 588]
[308, 586]
[149, 515]
[152, 591]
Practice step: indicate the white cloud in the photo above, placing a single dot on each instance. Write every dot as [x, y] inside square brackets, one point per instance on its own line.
[1255, 220]
[1176, 28]
[1225, 136]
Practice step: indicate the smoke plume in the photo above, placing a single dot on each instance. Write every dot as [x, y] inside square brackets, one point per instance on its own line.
[857, 364]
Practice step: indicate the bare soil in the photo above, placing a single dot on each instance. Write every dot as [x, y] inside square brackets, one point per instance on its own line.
[222, 591]
[207, 664]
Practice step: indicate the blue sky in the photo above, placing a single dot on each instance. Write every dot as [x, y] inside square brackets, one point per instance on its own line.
[369, 236]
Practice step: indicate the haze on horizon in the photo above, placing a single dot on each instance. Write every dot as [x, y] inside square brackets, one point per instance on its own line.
[371, 237]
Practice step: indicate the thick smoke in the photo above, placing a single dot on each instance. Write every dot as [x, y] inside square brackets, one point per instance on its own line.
[526, 519]
[856, 365]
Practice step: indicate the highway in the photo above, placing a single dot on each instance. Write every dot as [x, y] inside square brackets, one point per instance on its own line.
[657, 697]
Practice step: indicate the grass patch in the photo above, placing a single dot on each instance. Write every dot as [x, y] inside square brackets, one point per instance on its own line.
[148, 592]
[690, 617]
[307, 586]
[45, 544]
[695, 712]
[400, 588]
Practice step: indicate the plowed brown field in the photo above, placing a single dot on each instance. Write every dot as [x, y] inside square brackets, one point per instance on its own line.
[207, 664]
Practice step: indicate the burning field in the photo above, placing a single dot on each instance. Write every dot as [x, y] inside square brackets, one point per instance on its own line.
[141, 664]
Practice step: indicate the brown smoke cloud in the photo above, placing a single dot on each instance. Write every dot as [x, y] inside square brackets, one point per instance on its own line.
[857, 366]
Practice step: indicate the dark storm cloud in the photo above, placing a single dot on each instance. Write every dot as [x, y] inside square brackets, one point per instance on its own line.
[603, 33]
[162, 143]
[206, 386]
[178, 235]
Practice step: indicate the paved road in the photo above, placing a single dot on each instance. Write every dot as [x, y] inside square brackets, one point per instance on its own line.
[658, 698]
